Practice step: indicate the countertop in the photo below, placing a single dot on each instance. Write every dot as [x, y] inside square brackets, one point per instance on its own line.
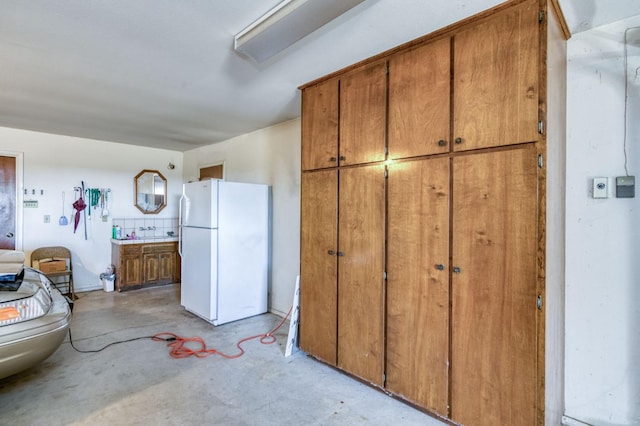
[148, 240]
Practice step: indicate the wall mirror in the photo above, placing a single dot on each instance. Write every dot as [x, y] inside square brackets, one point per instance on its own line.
[150, 191]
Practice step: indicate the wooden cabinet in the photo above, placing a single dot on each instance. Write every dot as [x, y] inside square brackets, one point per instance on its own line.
[320, 126]
[356, 134]
[496, 80]
[493, 289]
[128, 264]
[342, 243]
[319, 265]
[419, 105]
[361, 272]
[363, 95]
[145, 264]
[417, 328]
[453, 214]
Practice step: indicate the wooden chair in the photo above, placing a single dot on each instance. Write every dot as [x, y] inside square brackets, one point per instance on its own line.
[62, 280]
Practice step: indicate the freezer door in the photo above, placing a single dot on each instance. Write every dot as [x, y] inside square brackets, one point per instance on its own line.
[199, 204]
[198, 291]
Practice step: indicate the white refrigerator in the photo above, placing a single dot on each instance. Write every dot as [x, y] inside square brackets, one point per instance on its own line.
[224, 245]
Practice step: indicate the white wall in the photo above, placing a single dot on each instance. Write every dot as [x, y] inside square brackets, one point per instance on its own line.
[603, 235]
[269, 156]
[55, 164]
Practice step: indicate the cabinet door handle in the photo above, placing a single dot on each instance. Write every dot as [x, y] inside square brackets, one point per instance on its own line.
[331, 253]
[440, 267]
[342, 158]
[457, 269]
[442, 142]
[340, 253]
[333, 159]
[458, 141]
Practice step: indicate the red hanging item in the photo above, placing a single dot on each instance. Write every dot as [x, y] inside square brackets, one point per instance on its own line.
[79, 205]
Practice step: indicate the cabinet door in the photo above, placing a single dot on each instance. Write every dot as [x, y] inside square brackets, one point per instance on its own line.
[318, 264]
[320, 126]
[419, 91]
[166, 267]
[494, 291]
[363, 109]
[496, 65]
[151, 264]
[418, 282]
[360, 272]
[131, 270]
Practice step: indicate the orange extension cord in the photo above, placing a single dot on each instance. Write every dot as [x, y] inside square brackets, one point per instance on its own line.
[179, 348]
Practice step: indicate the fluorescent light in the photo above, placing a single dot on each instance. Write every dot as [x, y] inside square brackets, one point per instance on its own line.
[288, 22]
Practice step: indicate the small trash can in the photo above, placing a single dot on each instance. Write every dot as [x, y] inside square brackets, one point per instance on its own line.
[108, 279]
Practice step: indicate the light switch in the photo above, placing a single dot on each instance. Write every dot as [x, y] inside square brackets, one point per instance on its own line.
[600, 187]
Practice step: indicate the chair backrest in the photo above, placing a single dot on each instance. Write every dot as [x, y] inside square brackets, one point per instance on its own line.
[54, 252]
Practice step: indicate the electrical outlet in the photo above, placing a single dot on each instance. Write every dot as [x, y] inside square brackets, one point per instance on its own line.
[47, 218]
[600, 187]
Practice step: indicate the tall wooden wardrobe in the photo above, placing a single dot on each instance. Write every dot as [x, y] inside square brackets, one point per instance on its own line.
[432, 198]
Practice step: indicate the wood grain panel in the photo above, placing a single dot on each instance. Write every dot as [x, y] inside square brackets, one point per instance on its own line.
[318, 269]
[417, 290]
[320, 125]
[419, 91]
[8, 203]
[360, 272]
[363, 110]
[494, 295]
[496, 80]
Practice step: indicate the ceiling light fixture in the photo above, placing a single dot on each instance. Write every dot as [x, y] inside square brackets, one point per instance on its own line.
[288, 22]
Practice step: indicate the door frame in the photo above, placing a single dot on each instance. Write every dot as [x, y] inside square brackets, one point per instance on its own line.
[19, 210]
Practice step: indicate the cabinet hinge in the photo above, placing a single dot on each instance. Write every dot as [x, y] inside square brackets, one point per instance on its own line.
[384, 379]
[386, 150]
[541, 127]
[387, 68]
[384, 275]
[540, 161]
[539, 302]
[541, 16]
[386, 172]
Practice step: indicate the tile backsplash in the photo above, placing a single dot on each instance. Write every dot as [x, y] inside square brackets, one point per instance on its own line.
[146, 228]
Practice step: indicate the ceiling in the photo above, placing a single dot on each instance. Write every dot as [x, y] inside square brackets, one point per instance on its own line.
[164, 74]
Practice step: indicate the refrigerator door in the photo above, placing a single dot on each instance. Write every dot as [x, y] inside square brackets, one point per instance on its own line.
[243, 242]
[199, 204]
[198, 290]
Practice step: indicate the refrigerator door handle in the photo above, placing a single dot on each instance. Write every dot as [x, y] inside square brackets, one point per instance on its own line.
[182, 197]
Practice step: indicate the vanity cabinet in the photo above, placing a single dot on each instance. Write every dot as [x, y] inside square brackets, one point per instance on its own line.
[145, 264]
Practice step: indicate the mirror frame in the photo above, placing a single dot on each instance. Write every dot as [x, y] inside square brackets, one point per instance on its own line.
[135, 191]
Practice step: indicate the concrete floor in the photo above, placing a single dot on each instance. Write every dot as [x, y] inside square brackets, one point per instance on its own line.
[138, 383]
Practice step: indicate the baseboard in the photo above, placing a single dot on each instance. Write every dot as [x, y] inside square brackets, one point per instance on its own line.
[570, 421]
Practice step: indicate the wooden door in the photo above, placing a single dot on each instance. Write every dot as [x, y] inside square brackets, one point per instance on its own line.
[496, 66]
[361, 272]
[363, 110]
[318, 264]
[419, 92]
[494, 313]
[167, 267]
[151, 264]
[417, 355]
[320, 126]
[7, 203]
[131, 271]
